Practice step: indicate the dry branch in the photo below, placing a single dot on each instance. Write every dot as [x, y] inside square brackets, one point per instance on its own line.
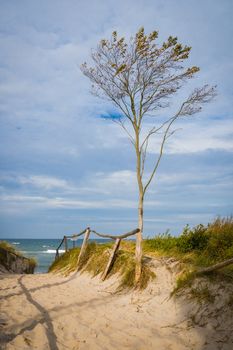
[215, 267]
[125, 235]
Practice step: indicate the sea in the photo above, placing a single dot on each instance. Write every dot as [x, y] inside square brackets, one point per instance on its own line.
[44, 250]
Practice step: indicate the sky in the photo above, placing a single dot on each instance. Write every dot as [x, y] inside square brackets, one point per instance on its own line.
[62, 166]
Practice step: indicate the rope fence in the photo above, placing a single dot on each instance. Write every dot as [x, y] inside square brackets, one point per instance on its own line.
[86, 233]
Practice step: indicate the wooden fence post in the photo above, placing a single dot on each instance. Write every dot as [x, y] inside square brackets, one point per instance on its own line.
[84, 244]
[66, 245]
[111, 258]
[57, 254]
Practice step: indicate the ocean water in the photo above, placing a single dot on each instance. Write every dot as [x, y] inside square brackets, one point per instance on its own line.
[43, 250]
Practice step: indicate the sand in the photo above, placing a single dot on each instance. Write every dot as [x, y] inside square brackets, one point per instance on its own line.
[48, 311]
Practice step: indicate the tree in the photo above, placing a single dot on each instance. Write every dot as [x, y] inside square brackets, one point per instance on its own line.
[139, 77]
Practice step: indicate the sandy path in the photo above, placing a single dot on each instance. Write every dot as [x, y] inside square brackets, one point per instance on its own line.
[77, 312]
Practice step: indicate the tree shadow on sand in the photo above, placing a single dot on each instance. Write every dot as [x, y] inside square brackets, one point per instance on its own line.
[47, 285]
[44, 317]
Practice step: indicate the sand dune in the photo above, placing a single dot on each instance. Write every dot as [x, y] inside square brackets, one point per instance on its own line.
[49, 311]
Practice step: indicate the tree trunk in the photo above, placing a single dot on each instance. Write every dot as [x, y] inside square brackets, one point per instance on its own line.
[138, 251]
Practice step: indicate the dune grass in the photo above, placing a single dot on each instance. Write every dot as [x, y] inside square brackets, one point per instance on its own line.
[95, 261]
[66, 263]
[5, 245]
[8, 247]
[196, 248]
[32, 262]
[200, 246]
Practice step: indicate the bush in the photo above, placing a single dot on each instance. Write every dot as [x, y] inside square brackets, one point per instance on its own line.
[164, 242]
[220, 245]
[195, 239]
[211, 243]
[201, 245]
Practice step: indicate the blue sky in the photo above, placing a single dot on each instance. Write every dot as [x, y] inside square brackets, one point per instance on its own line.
[63, 166]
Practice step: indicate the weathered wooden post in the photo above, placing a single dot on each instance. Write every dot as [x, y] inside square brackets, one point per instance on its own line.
[57, 254]
[66, 245]
[84, 244]
[111, 258]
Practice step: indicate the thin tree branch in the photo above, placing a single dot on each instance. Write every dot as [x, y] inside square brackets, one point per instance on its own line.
[154, 130]
[166, 135]
[120, 122]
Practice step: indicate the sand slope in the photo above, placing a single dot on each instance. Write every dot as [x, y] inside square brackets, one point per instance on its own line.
[78, 312]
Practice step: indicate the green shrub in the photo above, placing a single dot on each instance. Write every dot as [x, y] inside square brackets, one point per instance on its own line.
[220, 245]
[195, 239]
[164, 242]
[202, 245]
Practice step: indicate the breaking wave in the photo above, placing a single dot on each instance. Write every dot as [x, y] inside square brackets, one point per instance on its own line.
[53, 251]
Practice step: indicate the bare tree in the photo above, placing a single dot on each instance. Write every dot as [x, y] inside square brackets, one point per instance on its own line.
[140, 77]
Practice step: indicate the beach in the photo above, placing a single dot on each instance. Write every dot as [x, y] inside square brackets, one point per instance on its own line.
[48, 311]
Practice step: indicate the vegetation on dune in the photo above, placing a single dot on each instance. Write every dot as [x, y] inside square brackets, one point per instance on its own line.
[202, 294]
[7, 250]
[5, 245]
[95, 261]
[195, 248]
[66, 263]
[32, 262]
[201, 246]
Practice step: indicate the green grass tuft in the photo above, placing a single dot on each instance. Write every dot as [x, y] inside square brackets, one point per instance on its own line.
[202, 294]
[66, 263]
[5, 245]
[95, 258]
[8, 247]
[32, 262]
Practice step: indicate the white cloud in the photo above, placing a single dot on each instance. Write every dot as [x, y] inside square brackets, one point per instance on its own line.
[121, 182]
[20, 203]
[198, 135]
[46, 182]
